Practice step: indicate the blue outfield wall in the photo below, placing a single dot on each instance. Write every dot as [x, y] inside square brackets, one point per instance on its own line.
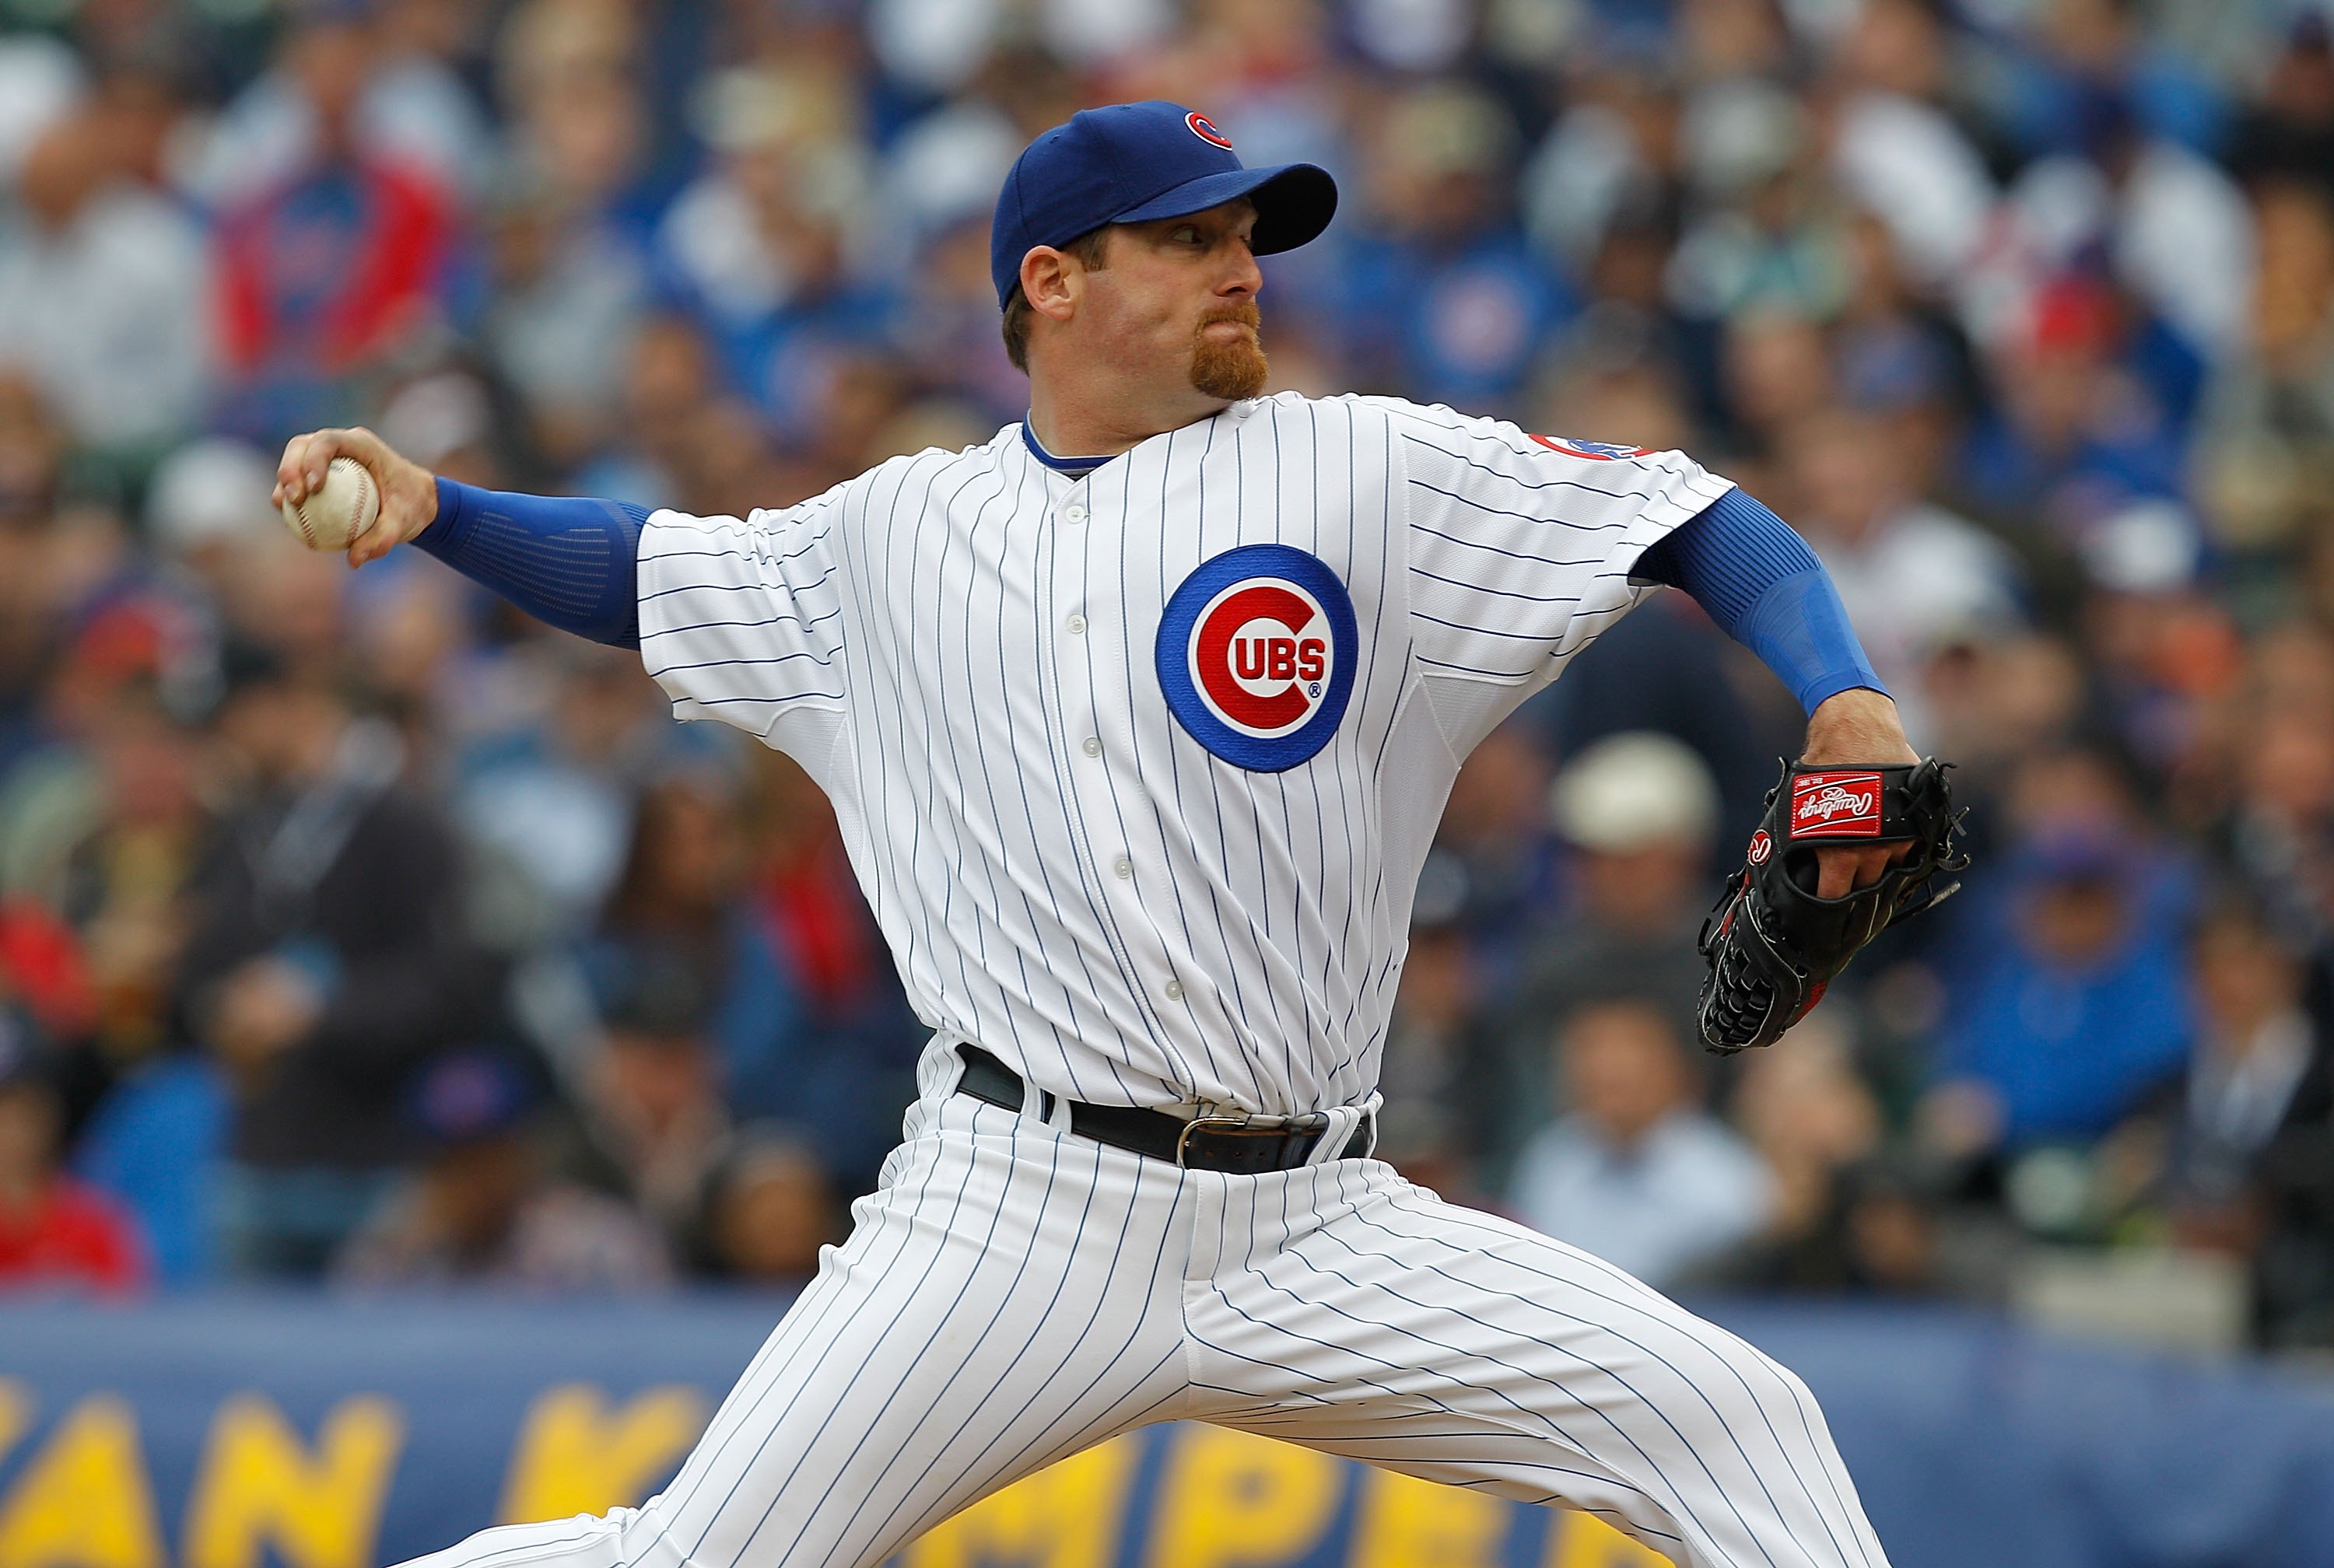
[301, 1432]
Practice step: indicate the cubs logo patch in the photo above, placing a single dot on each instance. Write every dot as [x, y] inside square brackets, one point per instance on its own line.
[1205, 130]
[1599, 451]
[1256, 655]
[1836, 806]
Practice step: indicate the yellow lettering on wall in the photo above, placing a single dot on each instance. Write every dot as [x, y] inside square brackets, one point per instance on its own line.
[577, 1455]
[259, 1485]
[1585, 1540]
[83, 1500]
[16, 1414]
[1229, 1498]
[1407, 1523]
[1063, 1516]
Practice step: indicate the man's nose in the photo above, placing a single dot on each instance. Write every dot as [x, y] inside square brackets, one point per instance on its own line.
[1244, 277]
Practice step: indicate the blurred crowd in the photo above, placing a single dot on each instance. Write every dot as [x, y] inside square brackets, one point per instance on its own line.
[354, 929]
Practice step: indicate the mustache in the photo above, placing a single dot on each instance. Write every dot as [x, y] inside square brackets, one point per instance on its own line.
[1245, 314]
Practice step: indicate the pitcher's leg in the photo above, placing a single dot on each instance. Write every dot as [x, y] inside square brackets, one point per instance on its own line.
[1357, 1313]
[1010, 1297]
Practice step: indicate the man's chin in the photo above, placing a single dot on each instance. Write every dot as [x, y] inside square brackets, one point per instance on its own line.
[1231, 371]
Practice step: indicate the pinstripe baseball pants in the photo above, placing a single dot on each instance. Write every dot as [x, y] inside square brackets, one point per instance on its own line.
[1012, 1293]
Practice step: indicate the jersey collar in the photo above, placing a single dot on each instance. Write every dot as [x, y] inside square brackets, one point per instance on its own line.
[1069, 467]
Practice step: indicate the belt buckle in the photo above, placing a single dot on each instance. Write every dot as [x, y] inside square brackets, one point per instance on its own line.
[1312, 1121]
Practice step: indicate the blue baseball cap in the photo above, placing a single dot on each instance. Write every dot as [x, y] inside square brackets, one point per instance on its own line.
[1133, 162]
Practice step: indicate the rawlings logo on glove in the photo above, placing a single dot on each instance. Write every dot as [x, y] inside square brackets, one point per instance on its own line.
[1773, 945]
[1836, 806]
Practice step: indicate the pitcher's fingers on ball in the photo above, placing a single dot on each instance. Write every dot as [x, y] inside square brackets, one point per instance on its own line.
[292, 470]
[306, 457]
[356, 442]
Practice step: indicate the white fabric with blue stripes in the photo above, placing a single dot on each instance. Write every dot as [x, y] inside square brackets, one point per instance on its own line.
[1146, 826]
[962, 648]
[1013, 1294]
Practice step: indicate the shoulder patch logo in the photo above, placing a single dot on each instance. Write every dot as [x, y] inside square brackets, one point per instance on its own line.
[1599, 451]
[1256, 655]
[1205, 130]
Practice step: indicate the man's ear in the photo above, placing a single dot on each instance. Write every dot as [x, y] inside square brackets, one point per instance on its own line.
[1052, 281]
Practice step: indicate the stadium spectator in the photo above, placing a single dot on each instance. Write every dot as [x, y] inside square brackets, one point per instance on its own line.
[1634, 1170]
[336, 262]
[759, 246]
[1448, 1121]
[206, 507]
[156, 1129]
[103, 291]
[2075, 427]
[1775, 369]
[327, 960]
[1445, 298]
[1496, 839]
[483, 1210]
[649, 1120]
[2289, 128]
[1852, 1211]
[545, 796]
[566, 295]
[1638, 810]
[2078, 1015]
[680, 903]
[2277, 826]
[2256, 1045]
[2164, 650]
[769, 1207]
[55, 1233]
[2266, 443]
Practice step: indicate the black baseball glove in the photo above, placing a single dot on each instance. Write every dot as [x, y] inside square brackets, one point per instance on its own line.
[1772, 944]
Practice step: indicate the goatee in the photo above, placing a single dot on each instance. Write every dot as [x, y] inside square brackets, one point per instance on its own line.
[1228, 367]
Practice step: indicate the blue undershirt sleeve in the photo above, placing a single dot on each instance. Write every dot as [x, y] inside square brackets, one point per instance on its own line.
[1765, 589]
[570, 563]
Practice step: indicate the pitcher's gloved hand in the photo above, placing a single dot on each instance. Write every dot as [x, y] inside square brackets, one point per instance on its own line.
[1772, 942]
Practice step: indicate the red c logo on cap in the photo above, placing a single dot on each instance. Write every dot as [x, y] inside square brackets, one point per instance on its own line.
[1205, 131]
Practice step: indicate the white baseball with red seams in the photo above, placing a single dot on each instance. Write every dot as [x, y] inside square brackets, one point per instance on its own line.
[1138, 762]
[338, 511]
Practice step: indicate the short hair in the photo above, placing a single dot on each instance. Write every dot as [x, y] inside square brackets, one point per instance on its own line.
[1089, 248]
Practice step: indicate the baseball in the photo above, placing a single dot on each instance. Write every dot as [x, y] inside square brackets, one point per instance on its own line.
[343, 508]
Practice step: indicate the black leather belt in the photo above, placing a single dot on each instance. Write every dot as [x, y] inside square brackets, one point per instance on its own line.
[1240, 1146]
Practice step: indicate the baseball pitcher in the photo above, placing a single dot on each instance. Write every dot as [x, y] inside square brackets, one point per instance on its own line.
[1139, 718]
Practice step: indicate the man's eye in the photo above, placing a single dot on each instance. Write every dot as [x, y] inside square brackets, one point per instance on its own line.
[1184, 232]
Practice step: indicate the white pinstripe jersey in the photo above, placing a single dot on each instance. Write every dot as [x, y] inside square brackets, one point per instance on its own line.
[1140, 814]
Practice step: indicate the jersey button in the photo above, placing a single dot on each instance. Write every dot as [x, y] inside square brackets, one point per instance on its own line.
[1122, 866]
[1074, 512]
[1174, 990]
[1094, 748]
[1078, 625]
